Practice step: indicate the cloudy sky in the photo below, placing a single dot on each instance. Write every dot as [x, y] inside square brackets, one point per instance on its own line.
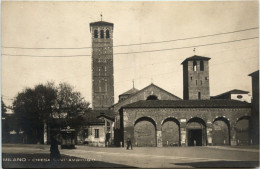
[66, 25]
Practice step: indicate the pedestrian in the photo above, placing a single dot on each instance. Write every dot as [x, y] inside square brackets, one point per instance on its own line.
[54, 150]
[129, 144]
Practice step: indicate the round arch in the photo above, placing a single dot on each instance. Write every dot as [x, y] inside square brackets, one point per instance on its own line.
[221, 131]
[170, 132]
[196, 132]
[243, 118]
[242, 130]
[145, 132]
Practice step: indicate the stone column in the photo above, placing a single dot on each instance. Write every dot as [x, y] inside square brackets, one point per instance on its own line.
[183, 133]
[159, 138]
[233, 139]
[209, 133]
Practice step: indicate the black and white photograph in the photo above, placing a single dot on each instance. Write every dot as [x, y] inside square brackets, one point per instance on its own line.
[130, 84]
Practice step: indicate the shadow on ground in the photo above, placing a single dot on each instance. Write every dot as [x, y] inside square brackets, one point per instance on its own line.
[43, 161]
[220, 164]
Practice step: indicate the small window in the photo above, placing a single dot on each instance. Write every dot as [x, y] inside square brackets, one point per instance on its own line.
[239, 96]
[199, 97]
[194, 65]
[99, 85]
[201, 82]
[96, 133]
[86, 133]
[196, 82]
[102, 34]
[201, 65]
[106, 85]
[107, 34]
[152, 97]
[206, 78]
[191, 78]
[95, 34]
[99, 71]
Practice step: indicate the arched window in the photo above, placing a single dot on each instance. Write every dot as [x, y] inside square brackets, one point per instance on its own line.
[199, 97]
[201, 65]
[95, 33]
[102, 34]
[107, 34]
[194, 65]
[152, 97]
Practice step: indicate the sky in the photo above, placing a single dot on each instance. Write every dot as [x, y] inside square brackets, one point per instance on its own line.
[66, 25]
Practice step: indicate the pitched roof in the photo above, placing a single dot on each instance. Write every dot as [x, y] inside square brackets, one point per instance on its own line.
[195, 57]
[129, 92]
[92, 116]
[143, 90]
[234, 91]
[256, 73]
[188, 104]
[101, 23]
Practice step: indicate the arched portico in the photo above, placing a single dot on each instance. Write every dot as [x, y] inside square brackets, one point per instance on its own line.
[145, 132]
[242, 130]
[170, 132]
[221, 131]
[196, 132]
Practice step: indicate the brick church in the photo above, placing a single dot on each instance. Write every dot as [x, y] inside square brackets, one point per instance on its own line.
[155, 117]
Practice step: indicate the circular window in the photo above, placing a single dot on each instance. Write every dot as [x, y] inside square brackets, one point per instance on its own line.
[239, 96]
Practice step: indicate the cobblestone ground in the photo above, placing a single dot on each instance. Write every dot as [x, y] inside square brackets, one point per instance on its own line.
[83, 156]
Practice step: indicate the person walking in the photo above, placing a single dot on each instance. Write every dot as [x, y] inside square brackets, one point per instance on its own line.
[129, 144]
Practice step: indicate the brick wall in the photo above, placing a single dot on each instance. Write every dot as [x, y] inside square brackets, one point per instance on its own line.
[102, 69]
[182, 115]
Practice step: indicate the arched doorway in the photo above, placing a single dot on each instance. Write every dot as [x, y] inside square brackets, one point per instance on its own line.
[170, 132]
[196, 132]
[242, 131]
[221, 131]
[145, 132]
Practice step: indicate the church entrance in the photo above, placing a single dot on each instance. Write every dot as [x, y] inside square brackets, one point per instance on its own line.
[196, 132]
[195, 137]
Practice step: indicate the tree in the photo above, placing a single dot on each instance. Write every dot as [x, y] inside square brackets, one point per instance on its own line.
[72, 103]
[33, 107]
[36, 106]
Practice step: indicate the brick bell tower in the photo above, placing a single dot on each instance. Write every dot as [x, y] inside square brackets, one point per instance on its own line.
[196, 78]
[102, 65]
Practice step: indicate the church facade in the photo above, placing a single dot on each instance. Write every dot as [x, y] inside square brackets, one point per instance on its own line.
[194, 121]
[155, 117]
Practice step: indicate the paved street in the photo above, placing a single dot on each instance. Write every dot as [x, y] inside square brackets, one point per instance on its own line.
[150, 157]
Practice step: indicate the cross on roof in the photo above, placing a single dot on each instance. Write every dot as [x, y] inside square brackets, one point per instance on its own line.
[101, 16]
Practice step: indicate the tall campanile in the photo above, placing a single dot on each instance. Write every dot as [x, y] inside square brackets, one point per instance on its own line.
[102, 65]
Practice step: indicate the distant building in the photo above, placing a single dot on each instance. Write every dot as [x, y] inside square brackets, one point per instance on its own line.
[234, 95]
[99, 129]
[254, 122]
